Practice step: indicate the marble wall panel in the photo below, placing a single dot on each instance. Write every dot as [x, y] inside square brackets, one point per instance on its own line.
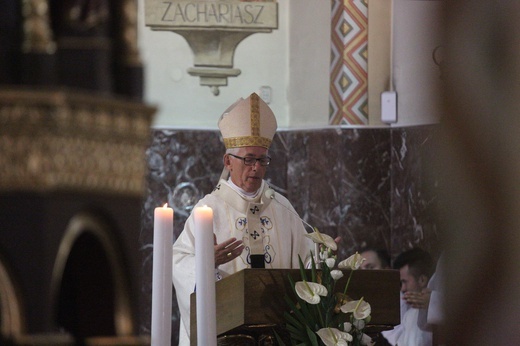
[365, 186]
[338, 181]
[369, 186]
[312, 175]
[276, 174]
[414, 190]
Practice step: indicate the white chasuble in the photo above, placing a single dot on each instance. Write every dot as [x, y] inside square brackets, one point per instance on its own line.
[266, 226]
[254, 226]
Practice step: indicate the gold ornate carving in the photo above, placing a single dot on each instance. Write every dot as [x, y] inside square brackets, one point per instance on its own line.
[65, 141]
[129, 25]
[38, 37]
[85, 15]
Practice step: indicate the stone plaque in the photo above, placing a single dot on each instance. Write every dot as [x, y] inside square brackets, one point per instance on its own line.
[169, 15]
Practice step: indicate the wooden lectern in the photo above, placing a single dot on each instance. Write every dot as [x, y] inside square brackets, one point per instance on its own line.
[256, 297]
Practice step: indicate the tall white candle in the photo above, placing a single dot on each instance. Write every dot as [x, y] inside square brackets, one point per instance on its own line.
[162, 276]
[205, 277]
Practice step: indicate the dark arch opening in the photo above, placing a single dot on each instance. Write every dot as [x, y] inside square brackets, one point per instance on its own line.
[86, 305]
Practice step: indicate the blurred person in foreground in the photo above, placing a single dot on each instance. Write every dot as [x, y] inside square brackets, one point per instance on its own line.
[479, 159]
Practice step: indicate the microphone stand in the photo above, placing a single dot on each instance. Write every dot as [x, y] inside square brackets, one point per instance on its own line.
[269, 193]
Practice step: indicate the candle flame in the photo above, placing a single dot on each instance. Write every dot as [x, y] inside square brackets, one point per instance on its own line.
[165, 205]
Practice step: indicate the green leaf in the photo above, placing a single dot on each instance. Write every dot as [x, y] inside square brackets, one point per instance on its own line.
[296, 312]
[302, 269]
[312, 337]
[303, 313]
[279, 340]
[297, 334]
[314, 277]
[291, 281]
[293, 321]
[310, 317]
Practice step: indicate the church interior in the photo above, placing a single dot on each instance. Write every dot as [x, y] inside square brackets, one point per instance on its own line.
[90, 146]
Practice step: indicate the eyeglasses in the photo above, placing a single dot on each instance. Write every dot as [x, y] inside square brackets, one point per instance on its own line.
[251, 161]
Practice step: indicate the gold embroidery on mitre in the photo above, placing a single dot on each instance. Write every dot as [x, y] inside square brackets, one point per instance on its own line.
[255, 115]
[247, 141]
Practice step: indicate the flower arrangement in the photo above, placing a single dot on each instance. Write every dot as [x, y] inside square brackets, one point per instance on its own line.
[320, 316]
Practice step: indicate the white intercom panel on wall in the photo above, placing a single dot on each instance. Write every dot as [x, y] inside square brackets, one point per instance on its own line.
[389, 106]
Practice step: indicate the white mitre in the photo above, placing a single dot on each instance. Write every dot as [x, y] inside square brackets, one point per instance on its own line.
[248, 123]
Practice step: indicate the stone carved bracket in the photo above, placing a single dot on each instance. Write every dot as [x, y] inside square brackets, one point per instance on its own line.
[213, 30]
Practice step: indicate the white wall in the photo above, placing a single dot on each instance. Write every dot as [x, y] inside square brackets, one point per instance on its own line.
[293, 60]
[309, 63]
[417, 78]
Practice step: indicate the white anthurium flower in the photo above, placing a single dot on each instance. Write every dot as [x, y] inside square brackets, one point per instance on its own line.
[336, 274]
[322, 238]
[310, 291]
[324, 255]
[359, 324]
[347, 326]
[334, 337]
[352, 263]
[330, 262]
[367, 340]
[359, 308]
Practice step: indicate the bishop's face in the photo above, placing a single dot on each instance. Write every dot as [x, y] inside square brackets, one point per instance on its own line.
[248, 178]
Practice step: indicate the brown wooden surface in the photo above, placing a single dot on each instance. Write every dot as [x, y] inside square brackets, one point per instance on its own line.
[256, 297]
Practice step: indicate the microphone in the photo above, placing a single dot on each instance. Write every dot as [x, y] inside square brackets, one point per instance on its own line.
[269, 193]
[315, 235]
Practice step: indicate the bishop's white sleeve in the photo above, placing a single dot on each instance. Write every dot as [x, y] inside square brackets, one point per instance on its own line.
[183, 273]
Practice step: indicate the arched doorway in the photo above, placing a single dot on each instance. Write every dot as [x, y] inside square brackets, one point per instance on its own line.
[89, 282]
[11, 317]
